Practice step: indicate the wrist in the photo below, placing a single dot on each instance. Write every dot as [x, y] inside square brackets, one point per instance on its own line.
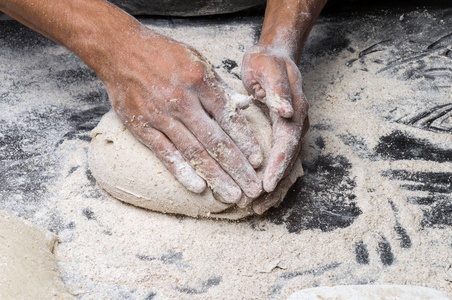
[101, 37]
[285, 28]
[272, 50]
[287, 24]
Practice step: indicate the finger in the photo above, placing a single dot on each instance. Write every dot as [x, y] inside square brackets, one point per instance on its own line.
[297, 159]
[233, 122]
[297, 153]
[239, 100]
[273, 199]
[244, 201]
[278, 95]
[268, 81]
[194, 152]
[221, 147]
[226, 111]
[286, 139]
[173, 160]
[267, 200]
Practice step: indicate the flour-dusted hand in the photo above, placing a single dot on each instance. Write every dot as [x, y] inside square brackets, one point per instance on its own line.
[168, 95]
[265, 75]
[171, 99]
[165, 92]
[271, 74]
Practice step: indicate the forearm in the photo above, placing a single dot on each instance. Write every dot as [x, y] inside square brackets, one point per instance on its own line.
[287, 24]
[91, 28]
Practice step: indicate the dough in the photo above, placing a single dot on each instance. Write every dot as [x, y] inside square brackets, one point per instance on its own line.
[27, 265]
[130, 172]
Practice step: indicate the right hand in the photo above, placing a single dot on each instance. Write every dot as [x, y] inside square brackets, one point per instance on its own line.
[273, 77]
[171, 99]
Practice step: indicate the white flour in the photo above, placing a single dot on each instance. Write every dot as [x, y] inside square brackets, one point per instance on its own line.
[211, 259]
[112, 250]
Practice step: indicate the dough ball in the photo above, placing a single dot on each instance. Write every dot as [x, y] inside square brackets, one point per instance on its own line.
[130, 171]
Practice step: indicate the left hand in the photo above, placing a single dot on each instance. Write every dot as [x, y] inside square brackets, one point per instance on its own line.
[272, 76]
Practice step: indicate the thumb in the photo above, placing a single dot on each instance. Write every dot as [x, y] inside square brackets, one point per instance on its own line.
[277, 89]
[265, 76]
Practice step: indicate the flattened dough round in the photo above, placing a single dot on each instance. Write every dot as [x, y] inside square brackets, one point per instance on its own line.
[28, 269]
[130, 172]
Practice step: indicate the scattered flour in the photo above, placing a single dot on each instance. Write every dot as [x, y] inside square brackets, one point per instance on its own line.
[113, 250]
[141, 252]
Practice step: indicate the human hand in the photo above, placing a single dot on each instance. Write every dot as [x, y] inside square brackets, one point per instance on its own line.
[171, 99]
[274, 79]
[273, 199]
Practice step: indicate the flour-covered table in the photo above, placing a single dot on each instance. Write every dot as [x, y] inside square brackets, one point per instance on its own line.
[374, 206]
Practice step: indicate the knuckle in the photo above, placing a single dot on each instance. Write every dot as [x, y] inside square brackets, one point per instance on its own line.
[281, 87]
[157, 145]
[219, 148]
[181, 105]
[195, 75]
[192, 151]
[157, 120]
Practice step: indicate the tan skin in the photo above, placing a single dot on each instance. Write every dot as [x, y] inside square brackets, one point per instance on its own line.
[172, 100]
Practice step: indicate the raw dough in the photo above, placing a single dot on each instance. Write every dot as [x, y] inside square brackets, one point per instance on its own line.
[27, 265]
[130, 172]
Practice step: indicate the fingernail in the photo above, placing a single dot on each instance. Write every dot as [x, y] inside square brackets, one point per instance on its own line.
[244, 201]
[286, 112]
[188, 177]
[254, 190]
[256, 160]
[269, 183]
[198, 186]
[280, 106]
[272, 177]
[259, 208]
[230, 194]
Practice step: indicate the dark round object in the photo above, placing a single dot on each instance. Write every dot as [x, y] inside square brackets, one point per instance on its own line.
[184, 8]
